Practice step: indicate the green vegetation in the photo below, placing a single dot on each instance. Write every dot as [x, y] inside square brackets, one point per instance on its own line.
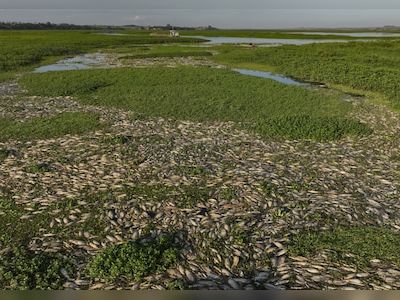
[118, 140]
[3, 155]
[187, 196]
[203, 94]
[41, 128]
[241, 236]
[39, 168]
[177, 284]
[227, 193]
[366, 66]
[192, 195]
[135, 260]
[26, 48]
[93, 224]
[365, 243]
[12, 229]
[269, 188]
[319, 128]
[192, 170]
[21, 269]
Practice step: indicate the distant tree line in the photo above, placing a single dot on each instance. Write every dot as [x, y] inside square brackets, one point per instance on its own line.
[170, 27]
[48, 25]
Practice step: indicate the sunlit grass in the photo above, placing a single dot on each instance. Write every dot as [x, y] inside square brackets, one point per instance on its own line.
[365, 66]
[20, 48]
[365, 243]
[203, 94]
[44, 128]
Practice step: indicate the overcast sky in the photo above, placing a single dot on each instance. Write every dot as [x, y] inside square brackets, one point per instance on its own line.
[220, 13]
[192, 4]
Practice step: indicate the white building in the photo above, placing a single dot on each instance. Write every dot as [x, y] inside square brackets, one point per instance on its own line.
[174, 33]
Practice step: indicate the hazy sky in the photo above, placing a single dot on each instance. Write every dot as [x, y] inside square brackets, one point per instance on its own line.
[220, 13]
[192, 4]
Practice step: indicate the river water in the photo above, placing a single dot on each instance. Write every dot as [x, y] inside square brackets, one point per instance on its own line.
[212, 40]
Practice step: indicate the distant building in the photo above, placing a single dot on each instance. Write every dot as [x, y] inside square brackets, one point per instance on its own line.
[174, 33]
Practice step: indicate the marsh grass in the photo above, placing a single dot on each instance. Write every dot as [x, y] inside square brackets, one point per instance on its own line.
[52, 127]
[21, 49]
[363, 242]
[202, 94]
[363, 66]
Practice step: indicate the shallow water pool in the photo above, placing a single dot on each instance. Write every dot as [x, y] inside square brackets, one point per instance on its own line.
[279, 78]
[80, 62]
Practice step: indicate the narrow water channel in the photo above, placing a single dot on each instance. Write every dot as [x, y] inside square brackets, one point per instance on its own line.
[277, 77]
[290, 81]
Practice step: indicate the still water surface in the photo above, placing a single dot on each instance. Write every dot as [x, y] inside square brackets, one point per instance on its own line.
[216, 40]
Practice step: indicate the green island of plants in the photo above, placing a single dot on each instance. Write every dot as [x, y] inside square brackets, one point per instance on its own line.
[206, 95]
[135, 259]
[52, 127]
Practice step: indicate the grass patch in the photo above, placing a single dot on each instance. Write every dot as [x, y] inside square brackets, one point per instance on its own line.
[241, 236]
[192, 195]
[318, 128]
[135, 260]
[22, 48]
[3, 155]
[184, 196]
[7, 76]
[21, 269]
[228, 193]
[53, 127]
[93, 224]
[269, 188]
[197, 171]
[12, 229]
[365, 243]
[38, 168]
[203, 94]
[363, 66]
[118, 140]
